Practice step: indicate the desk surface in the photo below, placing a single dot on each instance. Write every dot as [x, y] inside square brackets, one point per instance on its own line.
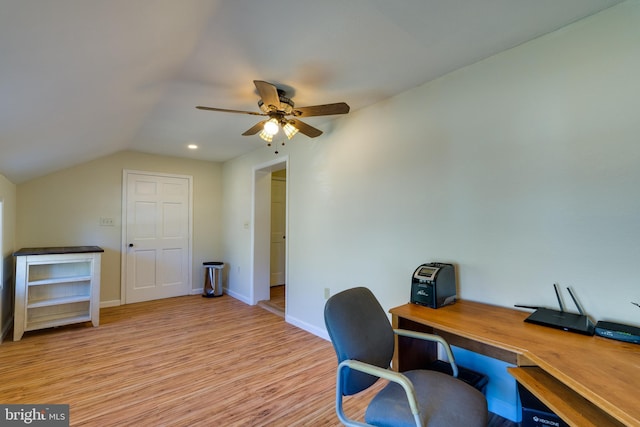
[604, 372]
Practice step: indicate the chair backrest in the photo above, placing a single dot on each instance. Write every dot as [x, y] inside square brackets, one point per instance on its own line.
[359, 330]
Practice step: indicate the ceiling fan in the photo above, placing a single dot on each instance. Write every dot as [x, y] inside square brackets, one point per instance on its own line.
[282, 113]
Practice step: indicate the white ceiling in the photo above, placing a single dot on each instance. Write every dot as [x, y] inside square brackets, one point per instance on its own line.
[80, 79]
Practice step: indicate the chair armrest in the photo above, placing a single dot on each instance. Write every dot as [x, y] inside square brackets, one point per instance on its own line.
[386, 374]
[434, 338]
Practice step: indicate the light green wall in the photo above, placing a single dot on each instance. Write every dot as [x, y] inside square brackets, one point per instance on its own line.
[523, 169]
[64, 209]
[7, 247]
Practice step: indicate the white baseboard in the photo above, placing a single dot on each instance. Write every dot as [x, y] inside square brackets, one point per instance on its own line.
[112, 303]
[319, 332]
[237, 296]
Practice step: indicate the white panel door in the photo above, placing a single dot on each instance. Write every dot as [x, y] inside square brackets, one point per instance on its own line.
[278, 229]
[158, 214]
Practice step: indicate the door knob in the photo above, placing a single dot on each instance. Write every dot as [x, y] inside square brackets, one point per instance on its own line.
[130, 245]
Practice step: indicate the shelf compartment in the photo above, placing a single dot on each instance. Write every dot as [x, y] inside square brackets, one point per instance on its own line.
[55, 315]
[50, 272]
[53, 321]
[58, 293]
[59, 280]
[58, 301]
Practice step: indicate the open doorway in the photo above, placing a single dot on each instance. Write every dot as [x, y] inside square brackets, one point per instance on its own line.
[278, 265]
[269, 236]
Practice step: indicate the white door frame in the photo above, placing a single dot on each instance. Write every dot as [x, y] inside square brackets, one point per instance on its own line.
[123, 221]
[261, 229]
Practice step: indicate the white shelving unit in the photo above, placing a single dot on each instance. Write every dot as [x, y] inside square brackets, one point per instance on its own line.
[55, 287]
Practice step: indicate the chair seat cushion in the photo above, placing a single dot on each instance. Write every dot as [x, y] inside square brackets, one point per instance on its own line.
[444, 401]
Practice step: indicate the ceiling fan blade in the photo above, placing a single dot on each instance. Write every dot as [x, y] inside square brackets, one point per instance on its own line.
[255, 129]
[310, 131]
[322, 110]
[268, 93]
[224, 110]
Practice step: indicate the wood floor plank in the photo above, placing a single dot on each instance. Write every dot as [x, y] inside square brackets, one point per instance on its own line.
[186, 361]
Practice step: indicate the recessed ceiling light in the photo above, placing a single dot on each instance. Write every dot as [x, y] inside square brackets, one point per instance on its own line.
[192, 147]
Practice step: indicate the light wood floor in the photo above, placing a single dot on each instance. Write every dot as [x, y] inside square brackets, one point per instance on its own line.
[276, 301]
[277, 295]
[187, 361]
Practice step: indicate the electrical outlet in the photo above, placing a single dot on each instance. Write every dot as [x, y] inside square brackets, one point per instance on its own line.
[327, 293]
[106, 222]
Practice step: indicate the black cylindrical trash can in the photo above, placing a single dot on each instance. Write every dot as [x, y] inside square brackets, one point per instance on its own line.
[212, 279]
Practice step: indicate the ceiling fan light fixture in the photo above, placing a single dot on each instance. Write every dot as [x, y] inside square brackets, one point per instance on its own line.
[271, 127]
[289, 130]
[266, 136]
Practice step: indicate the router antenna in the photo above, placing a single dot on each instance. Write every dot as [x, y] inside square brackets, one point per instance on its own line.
[575, 301]
[555, 287]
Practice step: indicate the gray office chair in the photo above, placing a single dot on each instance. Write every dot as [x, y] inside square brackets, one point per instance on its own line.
[364, 342]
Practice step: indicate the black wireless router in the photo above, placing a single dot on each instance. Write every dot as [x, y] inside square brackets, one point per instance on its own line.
[578, 323]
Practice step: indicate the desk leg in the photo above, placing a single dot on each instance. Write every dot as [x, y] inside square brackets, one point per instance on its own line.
[411, 353]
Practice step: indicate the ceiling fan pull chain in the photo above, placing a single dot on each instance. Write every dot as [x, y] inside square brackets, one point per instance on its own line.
[276, 152]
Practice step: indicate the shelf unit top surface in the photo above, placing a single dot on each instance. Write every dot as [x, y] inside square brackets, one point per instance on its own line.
[58, 250]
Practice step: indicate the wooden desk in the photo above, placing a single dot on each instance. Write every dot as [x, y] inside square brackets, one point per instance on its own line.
[587, 381]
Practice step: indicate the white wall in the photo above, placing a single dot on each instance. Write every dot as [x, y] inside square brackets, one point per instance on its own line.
[522, 169]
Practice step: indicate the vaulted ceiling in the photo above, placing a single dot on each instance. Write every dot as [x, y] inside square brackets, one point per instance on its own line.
[80, 79]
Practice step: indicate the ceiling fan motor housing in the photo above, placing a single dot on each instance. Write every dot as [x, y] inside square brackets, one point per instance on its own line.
[286, 104]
